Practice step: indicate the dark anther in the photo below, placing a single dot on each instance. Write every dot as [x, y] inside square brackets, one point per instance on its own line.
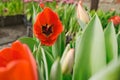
[47, 29]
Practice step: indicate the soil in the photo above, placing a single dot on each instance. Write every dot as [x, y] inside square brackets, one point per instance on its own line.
[9, 34]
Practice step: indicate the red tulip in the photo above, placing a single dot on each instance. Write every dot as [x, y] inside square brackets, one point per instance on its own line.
[42, 5]
[115, 20]
[47, 27]
[17, 63]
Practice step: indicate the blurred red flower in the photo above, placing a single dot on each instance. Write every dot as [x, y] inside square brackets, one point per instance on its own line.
[115, 20]
[42, 5]
[47, 27]
[17, 63]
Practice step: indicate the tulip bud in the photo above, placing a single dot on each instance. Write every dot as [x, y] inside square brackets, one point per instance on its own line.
[56, 73]
[82, 14]
[65, 53]
[67, 62]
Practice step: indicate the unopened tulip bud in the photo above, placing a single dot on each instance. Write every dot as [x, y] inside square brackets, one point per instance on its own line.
[82, 14]
[67, 63]
[56, 73]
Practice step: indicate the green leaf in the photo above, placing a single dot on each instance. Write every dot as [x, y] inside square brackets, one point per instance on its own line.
[38, 57]
[118, 40]
[45, 64]
[67, 77]
[111, 43]
[56, 73]
[78, 39]
[58, 47]
[34, 12]
[29, 41]
[110, 72]
[49, 59]
[90, 54]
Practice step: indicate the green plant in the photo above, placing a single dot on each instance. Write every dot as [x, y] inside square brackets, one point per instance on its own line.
[11, 7]
[95, 54]
[91, 55]
[105, 16]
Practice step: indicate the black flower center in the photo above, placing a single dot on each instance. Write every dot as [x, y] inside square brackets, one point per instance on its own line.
[47, 29]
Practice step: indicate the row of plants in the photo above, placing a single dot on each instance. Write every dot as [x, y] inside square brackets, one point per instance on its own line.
[68, 43]
[23, 9]
[11, 7]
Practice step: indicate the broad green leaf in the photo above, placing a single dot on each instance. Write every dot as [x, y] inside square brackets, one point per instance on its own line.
[29, 41]
[90, 54]
[110, 72]
[49, 59]
[111, 43]
[58, 47]
[38, 57]
[78, 39]
[41, 72]
[118, 40]
[67, 77]
[56, 73]
[43, 61]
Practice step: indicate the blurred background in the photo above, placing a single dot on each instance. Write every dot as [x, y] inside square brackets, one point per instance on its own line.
[17, 16]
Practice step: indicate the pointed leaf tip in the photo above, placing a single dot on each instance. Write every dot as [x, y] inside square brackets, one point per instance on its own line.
[90, 54]
[111, 42]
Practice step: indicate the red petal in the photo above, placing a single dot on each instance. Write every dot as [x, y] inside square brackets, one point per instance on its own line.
[47, 16]
[38, 30]
[17, 70]
[18, 52]
[57, 29]
[27, 53]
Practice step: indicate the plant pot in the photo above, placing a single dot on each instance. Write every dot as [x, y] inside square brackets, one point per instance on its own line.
[11, 20]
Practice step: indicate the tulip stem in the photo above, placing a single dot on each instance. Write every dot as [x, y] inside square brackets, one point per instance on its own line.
[45, 63]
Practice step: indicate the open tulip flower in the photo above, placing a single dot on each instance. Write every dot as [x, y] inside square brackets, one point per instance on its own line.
[17, 63]
[47, 27]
